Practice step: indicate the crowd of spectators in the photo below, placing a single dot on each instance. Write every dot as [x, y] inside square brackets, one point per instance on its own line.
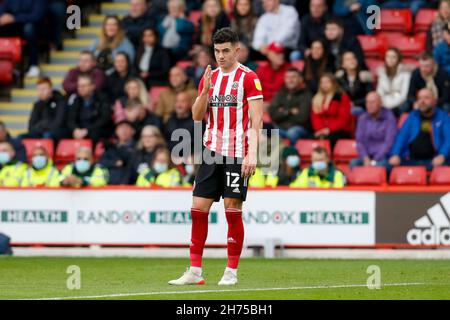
[335, 96]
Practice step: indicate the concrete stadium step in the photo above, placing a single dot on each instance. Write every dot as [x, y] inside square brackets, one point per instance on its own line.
[96, 20]
[23, 95]
[15, 132]
[55, 70]
[16, 118]
[121, 1]
[78, 44]
[30, 83]
[118, 8]
[15, 109]
[64, 57]
[89, 33]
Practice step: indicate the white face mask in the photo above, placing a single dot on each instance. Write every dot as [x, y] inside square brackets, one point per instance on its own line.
[293, 161]
[319, 165]
[160, 167]
[189, 169]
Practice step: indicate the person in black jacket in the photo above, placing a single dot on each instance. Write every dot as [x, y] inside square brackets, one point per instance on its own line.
[137, 20]
[152, 60]
[140, 117]
[48, 116]
[115, 82]
[117, 154]
[151, 139]
[17, 145]
[89, 112]
[428, 74]
[181, 118]
[337, 43]
[313, 26]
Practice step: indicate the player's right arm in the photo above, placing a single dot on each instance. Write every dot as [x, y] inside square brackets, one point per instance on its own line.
[201, 103]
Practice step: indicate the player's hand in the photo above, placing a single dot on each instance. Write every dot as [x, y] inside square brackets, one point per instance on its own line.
[206, 80]
[248, 166]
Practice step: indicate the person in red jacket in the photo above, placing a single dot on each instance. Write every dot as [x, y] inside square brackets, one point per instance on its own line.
[271, 75]
[330, 113]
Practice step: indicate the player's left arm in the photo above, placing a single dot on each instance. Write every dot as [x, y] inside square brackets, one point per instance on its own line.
[255, 107]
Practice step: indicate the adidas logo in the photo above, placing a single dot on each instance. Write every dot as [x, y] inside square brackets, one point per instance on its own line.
[434, 227]
[231, 240]
[236, 190]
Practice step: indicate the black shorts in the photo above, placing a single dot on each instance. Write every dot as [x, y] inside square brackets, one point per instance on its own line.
[220, 178]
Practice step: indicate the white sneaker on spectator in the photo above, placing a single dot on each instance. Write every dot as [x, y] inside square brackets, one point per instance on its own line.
[33, 72]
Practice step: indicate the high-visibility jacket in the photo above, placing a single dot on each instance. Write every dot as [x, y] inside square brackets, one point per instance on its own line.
[96, 176]
[259, 180]
[47, 176]
[11, 174]
[309, 178]
[170, 178]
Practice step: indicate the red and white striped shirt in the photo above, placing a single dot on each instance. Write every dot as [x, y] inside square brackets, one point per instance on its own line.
[228, 114]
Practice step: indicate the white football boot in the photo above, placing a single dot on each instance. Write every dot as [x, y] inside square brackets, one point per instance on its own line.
[228, 279]
[188, 278]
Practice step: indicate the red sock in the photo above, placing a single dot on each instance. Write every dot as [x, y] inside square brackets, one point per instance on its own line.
[199, 232]
[235, 236]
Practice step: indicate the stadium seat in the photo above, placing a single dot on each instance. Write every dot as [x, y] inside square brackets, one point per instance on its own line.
[368, 176]
[65, 152]
[345, 150]
[410, 46]
[298, 64]
[185, 64]
[99, 149]
[31, 144]
[440, 175]
[424, 19]
[154, 94]
[373, 46]
[344, 168]
[373, 65]
[402, 120]
[413, 175]
[396, 20]
[411, 61]
[12, 46]
[194, 17]
[305, 147]
[6, 71]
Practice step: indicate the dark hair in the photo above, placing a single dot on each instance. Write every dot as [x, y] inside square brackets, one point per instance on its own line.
[321, 150]
[335, 21]
[425, 56]
[86, 76]
[391, 71]
[225, 35]
[43, 80]
[127, 57]
[141, 48]
[293, 69]
[87, 52]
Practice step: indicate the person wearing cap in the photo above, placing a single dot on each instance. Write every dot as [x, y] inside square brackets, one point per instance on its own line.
[322, 172]
[118, 153]
[83, 172]
[279, 23]
[41, 172]
[271, 75]
[11, 170]
[442, 50]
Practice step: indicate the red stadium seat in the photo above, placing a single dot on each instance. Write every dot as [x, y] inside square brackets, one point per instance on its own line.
[368, 176]
[345, 150]
[411, 61]
[373, 46]
[414, 175]
[65, 152]
[31, 144]
[344, 168]
[185, 63]
[99, 149]
[6, 71]
[12, 46]
[373, 65]
[410, 46]
[154, 94]
[298, 64]
[402, 120]
[396, 20]
[424, 19]
[440, 175]
[305, 148]
[194, 17]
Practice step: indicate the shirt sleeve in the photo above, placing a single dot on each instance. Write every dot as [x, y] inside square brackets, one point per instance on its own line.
[252, 87]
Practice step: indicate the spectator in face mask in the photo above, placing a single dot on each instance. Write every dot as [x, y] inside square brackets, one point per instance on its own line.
[162, 172]
[11, 170]
[321, 174]
[424, 138]
[190, 170]
[84, 172]
[42, 172]
[288, 171]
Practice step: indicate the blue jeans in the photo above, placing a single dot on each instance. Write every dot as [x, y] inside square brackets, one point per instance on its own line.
[414, 5]
[358, 162]
[294, 133]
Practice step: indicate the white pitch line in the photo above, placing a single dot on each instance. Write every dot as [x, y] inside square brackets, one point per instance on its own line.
[116, 295]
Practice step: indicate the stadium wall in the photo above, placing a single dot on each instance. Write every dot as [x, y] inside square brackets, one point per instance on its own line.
[397, 217]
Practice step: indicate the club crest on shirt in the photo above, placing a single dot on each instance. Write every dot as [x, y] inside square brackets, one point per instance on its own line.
[235, 85]
[258, 84]
[211, 86]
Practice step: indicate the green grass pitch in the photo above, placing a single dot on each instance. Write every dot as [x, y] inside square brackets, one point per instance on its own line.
[146, 278]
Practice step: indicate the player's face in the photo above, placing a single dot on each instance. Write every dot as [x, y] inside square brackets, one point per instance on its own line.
[226, 54]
